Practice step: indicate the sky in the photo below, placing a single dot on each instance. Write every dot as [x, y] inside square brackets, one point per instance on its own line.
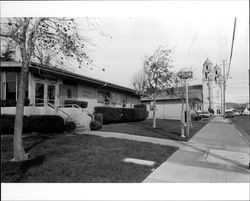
[196, 30]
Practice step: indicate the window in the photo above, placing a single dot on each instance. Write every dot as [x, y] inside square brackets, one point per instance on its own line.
[69, 93]
[39, 97]
[51, 94]
[11, 85]
[107, 96]
[207, 67]
[205, 75]
[103, 97]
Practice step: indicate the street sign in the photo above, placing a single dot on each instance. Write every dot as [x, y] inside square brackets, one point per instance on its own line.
[185, 74]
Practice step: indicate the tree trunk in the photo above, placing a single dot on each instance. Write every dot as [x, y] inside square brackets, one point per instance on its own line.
[154, 110]
[19, 152]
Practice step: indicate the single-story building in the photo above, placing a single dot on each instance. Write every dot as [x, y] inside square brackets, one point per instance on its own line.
[169, 106]
[52, 86]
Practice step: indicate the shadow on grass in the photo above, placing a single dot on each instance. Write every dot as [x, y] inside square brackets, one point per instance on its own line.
[41, 140]
[15, 171]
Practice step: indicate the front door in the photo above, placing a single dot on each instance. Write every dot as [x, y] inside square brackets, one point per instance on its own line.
[44, 94]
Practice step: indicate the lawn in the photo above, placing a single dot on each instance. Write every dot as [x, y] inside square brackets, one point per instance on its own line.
[242, 123]
[79, 158]
[167, 129]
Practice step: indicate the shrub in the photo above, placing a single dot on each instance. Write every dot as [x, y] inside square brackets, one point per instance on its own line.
[8, 122]
[82, 104]
[141, 112]
[47, 124]
[69, 126]
[110, 114]
[98, 117]
[95, 125]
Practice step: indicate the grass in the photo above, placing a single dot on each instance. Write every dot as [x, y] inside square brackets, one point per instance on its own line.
[242, 123]
[167, 129]
[84, 159]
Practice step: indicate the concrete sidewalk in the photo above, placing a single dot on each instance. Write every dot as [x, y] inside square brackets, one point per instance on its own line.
[217, 153]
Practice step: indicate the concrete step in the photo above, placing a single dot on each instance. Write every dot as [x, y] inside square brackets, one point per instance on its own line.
[81, 129]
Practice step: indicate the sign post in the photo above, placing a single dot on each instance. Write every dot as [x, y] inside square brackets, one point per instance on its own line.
[184, 75]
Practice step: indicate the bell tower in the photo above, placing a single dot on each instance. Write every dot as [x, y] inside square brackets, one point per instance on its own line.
[207, 84]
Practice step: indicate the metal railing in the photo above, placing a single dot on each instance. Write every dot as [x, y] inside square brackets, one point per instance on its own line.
[76, 106]
[56, 108]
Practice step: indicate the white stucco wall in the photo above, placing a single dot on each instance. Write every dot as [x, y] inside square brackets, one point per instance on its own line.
[166, 110]
[30, 110]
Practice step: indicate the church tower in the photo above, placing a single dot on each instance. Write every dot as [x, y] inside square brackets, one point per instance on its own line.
[207, 74]
[211, 87]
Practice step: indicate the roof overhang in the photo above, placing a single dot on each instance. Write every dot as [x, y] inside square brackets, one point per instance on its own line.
[60, 73]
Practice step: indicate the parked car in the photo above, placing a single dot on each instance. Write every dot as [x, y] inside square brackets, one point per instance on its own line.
[236, 112]
[229, 114]
[205, 115]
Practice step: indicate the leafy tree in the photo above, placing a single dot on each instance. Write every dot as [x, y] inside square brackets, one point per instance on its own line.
[43, 40]
[159, 75]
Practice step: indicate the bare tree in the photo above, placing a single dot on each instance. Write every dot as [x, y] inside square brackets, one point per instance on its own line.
[36, 38]
[159, 76]
[140, 82]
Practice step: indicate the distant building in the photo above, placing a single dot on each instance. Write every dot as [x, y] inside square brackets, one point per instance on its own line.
[204, 97]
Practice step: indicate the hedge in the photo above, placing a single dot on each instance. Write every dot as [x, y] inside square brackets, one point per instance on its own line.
[7, 124]
[110, 114]
[47, 124]
[69, 126]
[119, 115]
[82, 104]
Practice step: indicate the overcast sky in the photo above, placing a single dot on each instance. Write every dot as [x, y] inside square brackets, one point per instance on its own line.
[195, 29]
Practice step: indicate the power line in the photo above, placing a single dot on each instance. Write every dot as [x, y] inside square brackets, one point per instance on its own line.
[232, 46]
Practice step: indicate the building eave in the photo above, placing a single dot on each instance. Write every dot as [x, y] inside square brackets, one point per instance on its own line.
[66, 74]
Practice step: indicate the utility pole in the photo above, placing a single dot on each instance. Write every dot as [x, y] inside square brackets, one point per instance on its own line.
[184, 75]
[187, 108]
[224, 88]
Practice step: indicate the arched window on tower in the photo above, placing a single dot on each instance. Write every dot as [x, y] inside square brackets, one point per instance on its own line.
[205, 75]
[215, 80]
[206, 67]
